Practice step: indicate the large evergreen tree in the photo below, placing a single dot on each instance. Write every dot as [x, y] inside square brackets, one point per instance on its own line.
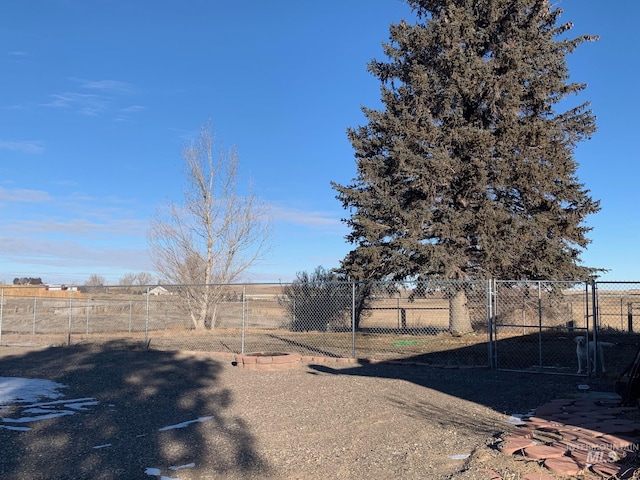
[468, 172]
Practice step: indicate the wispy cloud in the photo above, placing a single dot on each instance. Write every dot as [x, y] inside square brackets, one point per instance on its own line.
[43, 234]
[133, 109]
[80, 228]
[308, 218]
[20, 195]
[114, 86]
[60, 261]
[15, 106]
[126, 112]
[17, 56]
[27, 146]
[73, 214]
[96, 97]
[83, 103]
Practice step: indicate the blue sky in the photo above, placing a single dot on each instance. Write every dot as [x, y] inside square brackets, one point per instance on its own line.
[97, 99]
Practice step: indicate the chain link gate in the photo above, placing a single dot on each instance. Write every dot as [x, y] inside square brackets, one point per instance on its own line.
[533, 324]
[618, 320]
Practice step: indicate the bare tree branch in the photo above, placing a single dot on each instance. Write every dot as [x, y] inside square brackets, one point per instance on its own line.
[214, 236]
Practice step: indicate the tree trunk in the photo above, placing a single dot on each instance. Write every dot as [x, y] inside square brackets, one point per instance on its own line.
[199, 321]
[202, 310]
[196, 320]
[459, 317]
[213, 316]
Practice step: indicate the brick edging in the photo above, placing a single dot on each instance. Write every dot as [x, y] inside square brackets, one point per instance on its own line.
[287, 361]
[260, 361]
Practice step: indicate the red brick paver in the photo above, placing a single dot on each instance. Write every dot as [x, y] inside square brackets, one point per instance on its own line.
[574, 436]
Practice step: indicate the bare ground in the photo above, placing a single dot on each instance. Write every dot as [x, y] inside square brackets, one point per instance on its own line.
[319, 421]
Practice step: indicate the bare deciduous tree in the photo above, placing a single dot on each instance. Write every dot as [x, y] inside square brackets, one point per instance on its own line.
[144, 278]
[95, 280]
[139, 279]
[214, 235]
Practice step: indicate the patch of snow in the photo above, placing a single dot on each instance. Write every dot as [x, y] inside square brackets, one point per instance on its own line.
[61, 402]
[185, 424]
[105, 445]
[516, 419]
[17, 429]
[38, 417]
[81, 405]
[156, 473]
[36, 410]
[460, 456]
[16, 389]
[180, 467]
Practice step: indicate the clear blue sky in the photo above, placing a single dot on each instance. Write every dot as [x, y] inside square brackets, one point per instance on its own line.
[97, 98]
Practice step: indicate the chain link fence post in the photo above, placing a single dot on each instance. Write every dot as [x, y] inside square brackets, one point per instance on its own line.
[353, 319]
[146, 321]
[540, 362]
[70, 321]
[244, 318]
[1, 313]
[35, 306]
[594, 301]
[489, 300]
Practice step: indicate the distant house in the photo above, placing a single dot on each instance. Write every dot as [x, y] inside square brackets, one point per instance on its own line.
[159, 290]
[64, 288]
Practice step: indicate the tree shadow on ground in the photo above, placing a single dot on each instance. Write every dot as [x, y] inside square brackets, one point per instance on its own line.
[551, 352]
[530, 370]
[590, 427]
[305, 348]
[142, 410]
[503, 391]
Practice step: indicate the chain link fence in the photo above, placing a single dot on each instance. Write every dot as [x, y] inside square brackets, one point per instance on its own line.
[534, 325]
[374, 321]
[528, 326]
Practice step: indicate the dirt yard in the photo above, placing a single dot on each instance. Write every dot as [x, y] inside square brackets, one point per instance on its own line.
[317, 421]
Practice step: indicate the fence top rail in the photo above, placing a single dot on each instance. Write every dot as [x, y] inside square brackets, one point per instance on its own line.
[528, 282]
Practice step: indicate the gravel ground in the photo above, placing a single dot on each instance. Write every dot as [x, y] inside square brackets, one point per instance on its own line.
[315, 422]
